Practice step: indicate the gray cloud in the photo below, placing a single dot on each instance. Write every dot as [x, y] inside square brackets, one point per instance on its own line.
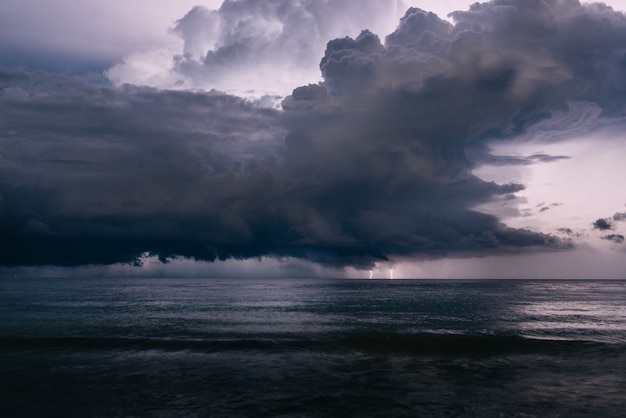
[607, 224]
[545, 158]
[369, 165]
[616, 238]
[481, 155]
[619, 216]
[490, 71]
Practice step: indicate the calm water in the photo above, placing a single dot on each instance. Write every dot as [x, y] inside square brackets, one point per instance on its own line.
[268, 348]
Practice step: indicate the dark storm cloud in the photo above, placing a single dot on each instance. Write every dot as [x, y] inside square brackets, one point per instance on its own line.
[606, 224]
[427, 100]
[602, 224]
[372, 164]
[92, 174]
[503, 68]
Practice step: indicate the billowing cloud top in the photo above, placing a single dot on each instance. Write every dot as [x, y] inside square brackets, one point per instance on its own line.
[253, 47]
[368, 165]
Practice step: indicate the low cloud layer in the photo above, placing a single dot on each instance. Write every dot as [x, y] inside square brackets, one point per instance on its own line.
[94, 175]
[370, 165]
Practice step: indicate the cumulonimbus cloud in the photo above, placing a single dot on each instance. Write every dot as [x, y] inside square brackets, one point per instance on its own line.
[370, 164]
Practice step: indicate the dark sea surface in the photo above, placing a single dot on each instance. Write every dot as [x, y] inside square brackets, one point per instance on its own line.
[290, 348]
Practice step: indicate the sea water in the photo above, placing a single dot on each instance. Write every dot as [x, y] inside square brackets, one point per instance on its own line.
[291, 348]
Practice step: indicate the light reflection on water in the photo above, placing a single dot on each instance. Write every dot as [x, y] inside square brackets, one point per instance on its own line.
[578, 310]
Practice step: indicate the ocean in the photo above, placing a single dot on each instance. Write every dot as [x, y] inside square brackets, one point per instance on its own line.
[312, 348]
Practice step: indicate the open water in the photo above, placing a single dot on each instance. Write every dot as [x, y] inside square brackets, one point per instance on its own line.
[291, 348]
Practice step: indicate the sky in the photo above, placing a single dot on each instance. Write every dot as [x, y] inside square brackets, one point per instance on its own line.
[335, 138]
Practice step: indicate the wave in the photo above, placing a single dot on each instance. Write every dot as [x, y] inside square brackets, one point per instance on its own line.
[372, 343]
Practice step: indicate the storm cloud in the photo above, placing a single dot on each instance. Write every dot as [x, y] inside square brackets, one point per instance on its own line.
[95, 175]
[369, 165]
[603, 224]
[92, 174]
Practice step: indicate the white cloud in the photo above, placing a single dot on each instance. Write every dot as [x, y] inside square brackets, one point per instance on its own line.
[253, 48]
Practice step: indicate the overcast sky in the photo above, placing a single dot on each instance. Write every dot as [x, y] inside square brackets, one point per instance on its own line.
[313, 137]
